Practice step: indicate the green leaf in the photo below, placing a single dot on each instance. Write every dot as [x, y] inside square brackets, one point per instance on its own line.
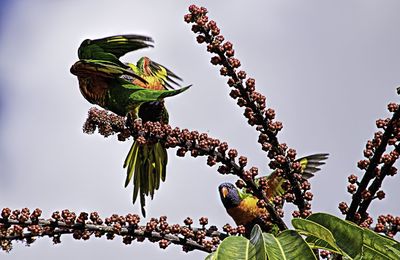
[369, 253]
[356, 242]
[375, 245]
[210, 256]
[316, 243]
[348, 237]
[287, 245]
[394, 249]
[257, 239]
[321, 236]
[234, 247]
[262, 246]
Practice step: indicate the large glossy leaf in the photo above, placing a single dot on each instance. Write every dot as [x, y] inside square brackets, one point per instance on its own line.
[318, 236]
[348, 237]
[375, 246]
[234, 248]
[262, 246]
[356, 242]
[395, 250]
[287, 245]
[257, 239]
[316, 243]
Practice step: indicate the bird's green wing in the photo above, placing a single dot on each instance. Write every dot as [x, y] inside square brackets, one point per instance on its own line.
[309, 165]
[113, 47]
[102, 68]
[147, 95]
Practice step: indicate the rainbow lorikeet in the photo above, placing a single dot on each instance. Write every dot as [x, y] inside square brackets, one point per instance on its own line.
[133, 90]
[242, 206]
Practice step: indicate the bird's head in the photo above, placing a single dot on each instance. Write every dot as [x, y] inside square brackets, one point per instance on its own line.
[143, 65]
[229, 195]
[85, 43]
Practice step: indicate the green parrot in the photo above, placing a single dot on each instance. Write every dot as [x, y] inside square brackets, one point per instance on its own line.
[133, 90]
[242, 206]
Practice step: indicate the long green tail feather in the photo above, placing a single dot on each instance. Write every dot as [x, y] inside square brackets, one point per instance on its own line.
[157, 166]
[136, 181]
[150, 172]
[130, 162]
[147, 165]
[161, 160]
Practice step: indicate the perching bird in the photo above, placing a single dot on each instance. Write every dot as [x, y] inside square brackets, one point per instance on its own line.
[242, 206]
[136, 91]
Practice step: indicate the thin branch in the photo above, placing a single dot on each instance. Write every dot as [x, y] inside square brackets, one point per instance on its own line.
[254, 102]
[370, 172]
[376, 184]
[21, 225]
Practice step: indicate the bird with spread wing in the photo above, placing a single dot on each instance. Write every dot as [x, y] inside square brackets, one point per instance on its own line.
[242, 206]
[133, 90]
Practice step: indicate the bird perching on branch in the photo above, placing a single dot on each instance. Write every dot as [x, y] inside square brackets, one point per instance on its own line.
[242, 206]
[133, 90]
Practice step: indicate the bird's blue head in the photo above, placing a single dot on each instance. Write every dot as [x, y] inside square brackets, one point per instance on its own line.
[229, 195]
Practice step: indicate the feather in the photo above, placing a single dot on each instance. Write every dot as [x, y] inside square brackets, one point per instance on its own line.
[131, 161]
[309, 165]
[113, 47]
[137, 177]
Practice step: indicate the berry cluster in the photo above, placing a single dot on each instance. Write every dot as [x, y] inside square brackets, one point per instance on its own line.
[325, 254]
[233, 231]
[107, 124]
[255, 110]
[21, 225]
[192, 142]
[389, 225]
[380, 153]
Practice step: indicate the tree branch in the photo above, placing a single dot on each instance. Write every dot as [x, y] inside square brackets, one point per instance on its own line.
[376, 147]
[199, 144]
[21, 225]
[254, 102]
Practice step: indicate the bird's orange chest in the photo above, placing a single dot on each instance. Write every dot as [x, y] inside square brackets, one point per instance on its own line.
[152, 83]
[246, 211]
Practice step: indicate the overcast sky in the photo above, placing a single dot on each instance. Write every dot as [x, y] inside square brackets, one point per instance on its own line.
[329, 68]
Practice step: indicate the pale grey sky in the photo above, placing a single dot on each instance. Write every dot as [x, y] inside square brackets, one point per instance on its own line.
[329, 68]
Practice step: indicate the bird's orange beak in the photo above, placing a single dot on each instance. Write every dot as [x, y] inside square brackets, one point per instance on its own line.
[224, 192]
